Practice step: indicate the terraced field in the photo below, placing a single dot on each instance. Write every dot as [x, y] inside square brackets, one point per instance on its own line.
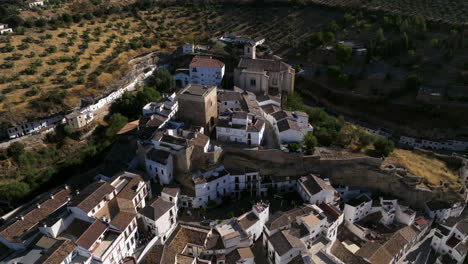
[47, 70]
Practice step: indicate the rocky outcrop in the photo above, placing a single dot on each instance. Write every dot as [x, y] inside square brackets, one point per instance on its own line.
[364, 173]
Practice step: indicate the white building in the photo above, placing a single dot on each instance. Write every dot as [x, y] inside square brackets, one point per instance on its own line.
[229, 101]
[160, 216]
[78, 119]
[4, 29]
[357, 208]
[451, 239]
[159, 165]
[102, 218]
[18, 232]
[35, 3]
[306, 230]
[167, 107]
[455, 145]
[442, 210]
[211, 185]
[240, 127]
[188, 48]
[202, 70]
[290, 126]
[33, 127]
[405, 215]
[315, 190]
[252, 222]
[288, 131]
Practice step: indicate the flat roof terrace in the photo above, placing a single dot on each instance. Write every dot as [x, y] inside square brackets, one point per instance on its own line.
[197, 89]
[107, 241]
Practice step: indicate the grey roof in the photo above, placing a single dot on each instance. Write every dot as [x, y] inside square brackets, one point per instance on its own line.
[197, 89]
[263, 98]
[240, 115]
[257, 126]
[260, 65]
[171, 191]
[315, 185]
[156, 209]
[270, 108]
[248, 220]
[280, 115]
[158, 155]
[229, 96]
[343, 254]
[463, 227]
[287, 124]
[283, 241]
[281, 219]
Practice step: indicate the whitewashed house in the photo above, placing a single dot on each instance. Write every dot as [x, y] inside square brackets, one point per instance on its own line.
[288, 131]
[240, 127]
[167, 107]
[33, 127]
[442, 210]
[202, 70]
[357, 208]
[36, 3]
[4, 29]
[315, 190]
[211, 185]
[290, 234]
[102, 218]
[229, 101]
[159, 165]
[160, 216]
[289, 126]
[79, 119]
[451, 239]
[188, 48]
[252, 222]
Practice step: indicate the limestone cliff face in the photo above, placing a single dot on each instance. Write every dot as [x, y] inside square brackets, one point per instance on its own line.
[363, 173]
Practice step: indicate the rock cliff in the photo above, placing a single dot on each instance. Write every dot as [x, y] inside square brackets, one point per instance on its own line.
[364, 173]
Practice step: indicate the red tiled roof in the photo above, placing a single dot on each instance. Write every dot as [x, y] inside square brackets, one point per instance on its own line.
[58, 252]
[207, 62]
[14, 231]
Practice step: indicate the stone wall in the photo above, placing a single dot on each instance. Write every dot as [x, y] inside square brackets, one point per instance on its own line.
[364, 173]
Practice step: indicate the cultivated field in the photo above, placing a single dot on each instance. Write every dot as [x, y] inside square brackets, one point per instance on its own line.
[47, 70]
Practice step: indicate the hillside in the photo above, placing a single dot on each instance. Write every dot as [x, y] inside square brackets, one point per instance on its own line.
[49, 66]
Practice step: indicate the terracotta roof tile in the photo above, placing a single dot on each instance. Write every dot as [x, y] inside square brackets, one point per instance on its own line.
[171, 191]
[14, 231]
[91, 196]
[94, 231]
[206, 62]
[57, 254]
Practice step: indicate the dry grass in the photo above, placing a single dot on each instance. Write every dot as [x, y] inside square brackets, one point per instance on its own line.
[431, 169]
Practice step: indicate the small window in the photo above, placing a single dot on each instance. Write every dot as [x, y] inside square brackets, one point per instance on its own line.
[253, 82]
